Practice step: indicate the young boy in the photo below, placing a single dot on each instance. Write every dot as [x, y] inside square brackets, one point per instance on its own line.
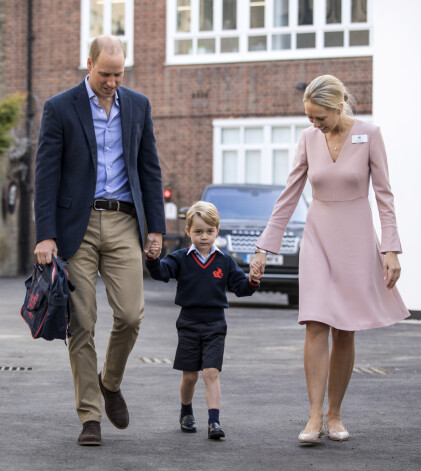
[203, 274]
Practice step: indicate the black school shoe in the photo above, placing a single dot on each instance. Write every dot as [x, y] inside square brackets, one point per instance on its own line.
[188, 424]
[215, 431]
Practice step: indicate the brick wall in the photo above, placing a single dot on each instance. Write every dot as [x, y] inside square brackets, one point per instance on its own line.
[185, 99]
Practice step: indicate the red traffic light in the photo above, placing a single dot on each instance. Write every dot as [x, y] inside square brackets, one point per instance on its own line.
[167, 194]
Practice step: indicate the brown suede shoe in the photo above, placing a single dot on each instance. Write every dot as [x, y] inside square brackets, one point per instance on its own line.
[91, 434]
[115, 406]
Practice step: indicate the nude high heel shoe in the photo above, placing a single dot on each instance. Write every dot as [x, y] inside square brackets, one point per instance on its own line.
[338, 436]
[311, 437]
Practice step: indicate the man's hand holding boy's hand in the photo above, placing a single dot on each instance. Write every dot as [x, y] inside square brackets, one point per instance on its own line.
[153, 245]
[153, 250]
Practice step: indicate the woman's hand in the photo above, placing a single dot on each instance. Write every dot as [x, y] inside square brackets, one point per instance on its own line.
[257, 265]
[391, 269]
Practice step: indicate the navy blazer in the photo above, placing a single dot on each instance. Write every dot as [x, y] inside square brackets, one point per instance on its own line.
[66, 166]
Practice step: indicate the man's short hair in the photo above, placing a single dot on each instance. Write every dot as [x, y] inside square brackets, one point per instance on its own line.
[111, 44]
[207, 211]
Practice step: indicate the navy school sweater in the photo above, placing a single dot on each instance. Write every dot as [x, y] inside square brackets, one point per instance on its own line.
[201, 285]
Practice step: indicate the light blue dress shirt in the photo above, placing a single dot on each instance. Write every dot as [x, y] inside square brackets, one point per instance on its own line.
[112, 180]
[201, 258]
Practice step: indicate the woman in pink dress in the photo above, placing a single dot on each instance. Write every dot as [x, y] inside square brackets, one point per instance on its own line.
[347, 278]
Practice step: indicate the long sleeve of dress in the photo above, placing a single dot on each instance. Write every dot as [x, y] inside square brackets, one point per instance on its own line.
[271, 237]
[380, 180]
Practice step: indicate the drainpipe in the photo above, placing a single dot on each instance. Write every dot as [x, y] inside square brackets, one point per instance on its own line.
[25, 219]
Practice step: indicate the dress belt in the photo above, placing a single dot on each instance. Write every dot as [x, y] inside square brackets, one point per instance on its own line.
[114, 205]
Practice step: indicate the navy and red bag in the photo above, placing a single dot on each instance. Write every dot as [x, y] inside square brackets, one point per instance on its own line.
[46, 308]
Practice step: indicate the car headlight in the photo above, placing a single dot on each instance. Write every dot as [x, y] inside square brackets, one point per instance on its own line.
[221, 242]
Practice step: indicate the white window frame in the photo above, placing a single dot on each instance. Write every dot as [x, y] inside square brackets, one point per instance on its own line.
[266, 148]
[243, 32]
[127, 38]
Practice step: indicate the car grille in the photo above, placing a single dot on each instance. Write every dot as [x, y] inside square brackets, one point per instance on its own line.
[246, 243]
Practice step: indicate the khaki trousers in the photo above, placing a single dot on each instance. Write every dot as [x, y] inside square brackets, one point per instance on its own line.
[111, 247]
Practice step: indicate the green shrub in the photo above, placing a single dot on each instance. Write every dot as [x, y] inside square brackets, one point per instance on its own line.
[10, 113]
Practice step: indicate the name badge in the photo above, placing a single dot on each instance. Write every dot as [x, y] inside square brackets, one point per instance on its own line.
[359, 138]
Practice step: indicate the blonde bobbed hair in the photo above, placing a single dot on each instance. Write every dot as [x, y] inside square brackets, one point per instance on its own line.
[329, 92]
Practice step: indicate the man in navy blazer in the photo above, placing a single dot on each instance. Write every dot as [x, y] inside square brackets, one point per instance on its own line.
[97, 178]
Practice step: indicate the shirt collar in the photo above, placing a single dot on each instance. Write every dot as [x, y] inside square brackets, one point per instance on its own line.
[213, 249]
[93, 97]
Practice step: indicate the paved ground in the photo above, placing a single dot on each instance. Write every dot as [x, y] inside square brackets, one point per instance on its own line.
[264, 396]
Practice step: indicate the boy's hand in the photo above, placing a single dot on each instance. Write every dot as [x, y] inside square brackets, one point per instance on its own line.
[258, 264]
[153, 250]
[255, 275]
[154, 238]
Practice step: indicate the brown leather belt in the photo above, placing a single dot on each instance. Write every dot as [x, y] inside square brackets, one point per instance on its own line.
[114, 205]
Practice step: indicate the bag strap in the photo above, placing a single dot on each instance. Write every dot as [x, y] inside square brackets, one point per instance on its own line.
[40, 268]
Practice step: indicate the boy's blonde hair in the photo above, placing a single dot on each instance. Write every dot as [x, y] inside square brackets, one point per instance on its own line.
[207, 211]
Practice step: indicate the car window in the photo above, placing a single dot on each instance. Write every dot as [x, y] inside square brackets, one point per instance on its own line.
[250, 203]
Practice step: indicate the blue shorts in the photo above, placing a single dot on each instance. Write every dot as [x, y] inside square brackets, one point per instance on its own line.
[200, 344]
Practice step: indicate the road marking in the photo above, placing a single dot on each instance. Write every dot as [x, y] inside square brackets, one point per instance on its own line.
[371, 370]
[154, 361]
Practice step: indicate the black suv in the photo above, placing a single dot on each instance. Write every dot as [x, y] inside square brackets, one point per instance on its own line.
[244, 212]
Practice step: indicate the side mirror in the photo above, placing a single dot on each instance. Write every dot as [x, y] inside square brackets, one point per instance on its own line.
[182, 212]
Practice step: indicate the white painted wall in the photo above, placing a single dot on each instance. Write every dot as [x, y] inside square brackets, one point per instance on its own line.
[397, 109]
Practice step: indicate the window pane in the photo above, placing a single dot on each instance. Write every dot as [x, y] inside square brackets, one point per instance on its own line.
[280, 167]
[206, 46]
[118, 17]
[229, 45]
[359, 38]
[298, 131]
[334, 39]
[305, 12]
[257, 43]
[184, 46]
[306, 40]
[183, 16]
[253, 166]
[206, 15]
[229, 14]
[230, 136]
[281, 135]
[97, 18]
[229, 167]
[333, 11]
[359, 11]
[253, 135]
[281, 41]
[280, 13]
[257, 13]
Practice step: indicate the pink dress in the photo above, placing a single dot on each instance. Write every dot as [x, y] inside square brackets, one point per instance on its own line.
[341, 271]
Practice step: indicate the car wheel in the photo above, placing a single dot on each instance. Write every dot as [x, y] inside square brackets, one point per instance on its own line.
[293, 299]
